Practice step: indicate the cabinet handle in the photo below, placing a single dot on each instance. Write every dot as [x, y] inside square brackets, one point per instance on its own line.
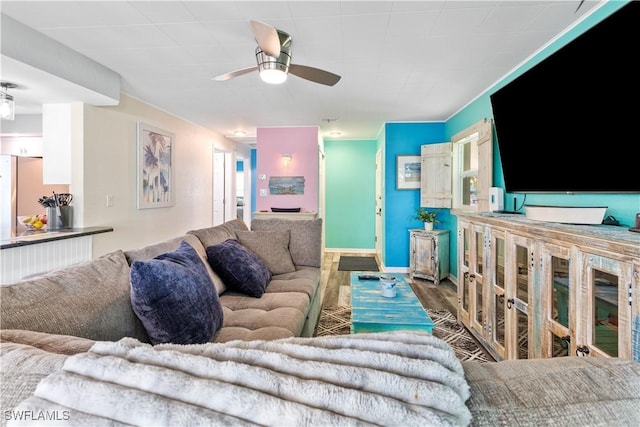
[566, 338]
[471, 277]
[510, 303]
[582, 350]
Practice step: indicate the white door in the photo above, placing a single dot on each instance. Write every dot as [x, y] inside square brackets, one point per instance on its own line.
[378, 205]
[229, 186]
[219, 187]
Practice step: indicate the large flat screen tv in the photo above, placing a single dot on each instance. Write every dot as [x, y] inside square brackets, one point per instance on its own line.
[571, 124]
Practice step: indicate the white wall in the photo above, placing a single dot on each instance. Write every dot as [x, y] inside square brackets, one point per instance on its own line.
[106, 166]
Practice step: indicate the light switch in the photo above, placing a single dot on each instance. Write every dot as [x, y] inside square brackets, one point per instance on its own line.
[109, 200]
[263, 176]
[263, 191]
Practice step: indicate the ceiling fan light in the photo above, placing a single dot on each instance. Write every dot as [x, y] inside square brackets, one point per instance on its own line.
[273, 76]
[7, 107]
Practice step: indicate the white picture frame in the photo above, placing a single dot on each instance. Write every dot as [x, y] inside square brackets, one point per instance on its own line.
[408, 172]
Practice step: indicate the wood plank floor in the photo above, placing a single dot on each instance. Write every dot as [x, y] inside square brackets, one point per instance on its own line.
[335, 286]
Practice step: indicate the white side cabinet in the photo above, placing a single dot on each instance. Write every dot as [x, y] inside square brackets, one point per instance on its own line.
[429, 254]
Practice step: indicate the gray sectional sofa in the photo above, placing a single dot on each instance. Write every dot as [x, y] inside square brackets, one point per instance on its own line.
[65, 312]
[92, 300]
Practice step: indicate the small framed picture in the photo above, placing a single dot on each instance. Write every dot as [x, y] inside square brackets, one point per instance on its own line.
[155, 167]
[408, 172]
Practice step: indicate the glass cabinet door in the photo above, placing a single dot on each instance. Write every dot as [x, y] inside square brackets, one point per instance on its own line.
[607, 330]
[559, 313]
[472, 260]
[464, 263]
[519, 281]
[497, 310]
[476, 280]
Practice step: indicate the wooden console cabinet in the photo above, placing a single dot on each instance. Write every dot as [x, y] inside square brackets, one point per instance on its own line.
[529, 289]
[429, 254]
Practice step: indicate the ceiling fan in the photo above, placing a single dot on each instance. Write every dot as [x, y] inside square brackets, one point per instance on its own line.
[273, 55]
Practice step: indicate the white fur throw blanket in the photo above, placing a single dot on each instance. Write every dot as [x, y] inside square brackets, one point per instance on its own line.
[394, 378]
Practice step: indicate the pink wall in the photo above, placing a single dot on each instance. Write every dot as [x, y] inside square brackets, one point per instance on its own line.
[302, 144]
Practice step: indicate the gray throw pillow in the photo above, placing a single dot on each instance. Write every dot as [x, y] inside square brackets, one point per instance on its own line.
[272, 247]
[240, 269]
[174, 297]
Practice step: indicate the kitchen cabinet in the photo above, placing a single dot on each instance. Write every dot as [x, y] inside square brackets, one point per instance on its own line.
[530, 289]
[429, 254]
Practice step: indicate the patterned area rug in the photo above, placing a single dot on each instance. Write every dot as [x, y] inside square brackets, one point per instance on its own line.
[337, 321]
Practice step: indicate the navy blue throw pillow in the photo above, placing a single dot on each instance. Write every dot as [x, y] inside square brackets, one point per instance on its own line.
[239, 268]
[174, 297]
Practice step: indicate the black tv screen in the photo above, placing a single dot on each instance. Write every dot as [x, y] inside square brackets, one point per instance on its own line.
[571, 123]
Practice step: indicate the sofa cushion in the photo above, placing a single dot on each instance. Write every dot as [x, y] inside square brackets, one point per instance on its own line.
[267, 324]
[174, 297]
[272, 247]
[152, 251]
[240, 269]
[23, 367]
[89, 300]
[267, 302]
[235, 333]
[214, 235]
[304, 239]
[304, 279]
[564, 391]
[52, 343]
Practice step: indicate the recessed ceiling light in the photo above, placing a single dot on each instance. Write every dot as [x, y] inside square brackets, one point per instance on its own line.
[335, 134]
[239, 133]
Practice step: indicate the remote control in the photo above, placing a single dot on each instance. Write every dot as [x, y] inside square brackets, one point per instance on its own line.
[368, 277]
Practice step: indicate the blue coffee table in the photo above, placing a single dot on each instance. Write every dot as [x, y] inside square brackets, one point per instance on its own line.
[371, 312]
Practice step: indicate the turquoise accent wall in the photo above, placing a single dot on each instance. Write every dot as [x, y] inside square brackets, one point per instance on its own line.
[399, 205]
[622, 206]
[350, 170]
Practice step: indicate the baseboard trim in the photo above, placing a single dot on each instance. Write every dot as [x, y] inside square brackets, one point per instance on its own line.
[396, 269]
[351, 251]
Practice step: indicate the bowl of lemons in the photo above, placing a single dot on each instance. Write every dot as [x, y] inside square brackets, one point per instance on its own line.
[33, 222]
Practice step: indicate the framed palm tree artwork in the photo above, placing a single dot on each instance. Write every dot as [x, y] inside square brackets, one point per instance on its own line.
[155, 167]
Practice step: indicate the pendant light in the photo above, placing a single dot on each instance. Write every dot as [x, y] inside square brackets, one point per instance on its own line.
[7, 105]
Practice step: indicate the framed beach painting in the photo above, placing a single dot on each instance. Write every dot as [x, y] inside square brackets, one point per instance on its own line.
[155, 167]
[408, 172]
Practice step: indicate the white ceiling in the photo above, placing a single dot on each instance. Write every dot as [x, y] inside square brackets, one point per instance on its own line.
[399, 60]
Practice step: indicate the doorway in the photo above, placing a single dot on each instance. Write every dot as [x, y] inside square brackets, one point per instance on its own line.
[243, 189]
[224, 208]
[378, 235]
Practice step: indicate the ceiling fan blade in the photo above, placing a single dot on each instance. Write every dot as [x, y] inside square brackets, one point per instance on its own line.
[314, 74]
[236, 73]
[267, 38]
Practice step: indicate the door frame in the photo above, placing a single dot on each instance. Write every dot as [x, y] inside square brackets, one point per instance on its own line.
[378, 207]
